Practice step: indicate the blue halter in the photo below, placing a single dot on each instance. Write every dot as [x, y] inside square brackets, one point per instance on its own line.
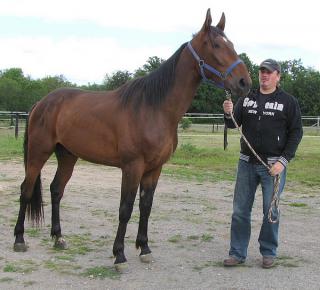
[203, 66]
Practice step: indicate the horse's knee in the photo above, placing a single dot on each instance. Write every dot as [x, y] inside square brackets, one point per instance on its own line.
[146, 200]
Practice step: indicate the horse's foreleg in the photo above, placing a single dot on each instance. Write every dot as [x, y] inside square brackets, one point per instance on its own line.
[131, 176]
[66, 162]
[147, 187]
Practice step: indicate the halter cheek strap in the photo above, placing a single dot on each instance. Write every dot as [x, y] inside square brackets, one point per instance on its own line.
[211, 69]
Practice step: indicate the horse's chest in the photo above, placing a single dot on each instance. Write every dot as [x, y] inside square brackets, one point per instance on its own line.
[161, 152]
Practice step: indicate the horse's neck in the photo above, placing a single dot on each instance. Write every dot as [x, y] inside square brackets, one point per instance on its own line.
[185, 86]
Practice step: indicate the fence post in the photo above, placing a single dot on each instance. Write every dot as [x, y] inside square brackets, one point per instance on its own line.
[16, 129]
[11, 120]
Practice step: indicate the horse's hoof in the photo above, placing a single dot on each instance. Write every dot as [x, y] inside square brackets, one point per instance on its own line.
[20, 247]
[60, 244]
[122, 267]
[146, 258]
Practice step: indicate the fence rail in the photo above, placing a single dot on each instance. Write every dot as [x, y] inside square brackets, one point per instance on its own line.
[312, 121]
[12, 120]
[17, 120]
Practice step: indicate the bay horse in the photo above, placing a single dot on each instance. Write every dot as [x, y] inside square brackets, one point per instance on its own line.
[133, 127]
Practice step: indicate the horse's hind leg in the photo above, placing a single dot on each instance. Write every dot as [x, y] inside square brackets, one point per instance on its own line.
[66, 162]
[31, 197]
[147, 187]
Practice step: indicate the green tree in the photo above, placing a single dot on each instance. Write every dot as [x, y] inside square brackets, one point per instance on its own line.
[93, 87]
[51, 83]
[19, 92]
[152, 64]
[252, 68]
[12, 89]
[116, 79]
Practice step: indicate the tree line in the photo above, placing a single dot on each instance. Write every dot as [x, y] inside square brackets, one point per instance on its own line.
[19, 92]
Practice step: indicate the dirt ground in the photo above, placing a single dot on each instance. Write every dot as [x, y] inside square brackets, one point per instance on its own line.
[188, 232]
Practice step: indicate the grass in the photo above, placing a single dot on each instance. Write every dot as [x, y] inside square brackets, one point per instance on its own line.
[10, 147]
[21, 266]
[78, 245]
[179, 238]
[201, 157]
[101, 272]
[206, 238]
[65, 261]
[298, 204]
[61, 266]
[289, 262]
[175, 239]
[6, 279]
[201, 163]
[33, 232]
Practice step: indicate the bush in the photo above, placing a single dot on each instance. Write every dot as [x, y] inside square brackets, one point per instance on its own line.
[185, 123]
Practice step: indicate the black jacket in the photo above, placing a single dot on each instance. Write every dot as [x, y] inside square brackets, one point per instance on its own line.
[271, 123]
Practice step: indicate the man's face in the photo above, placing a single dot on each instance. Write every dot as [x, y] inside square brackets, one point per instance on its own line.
[268, 80]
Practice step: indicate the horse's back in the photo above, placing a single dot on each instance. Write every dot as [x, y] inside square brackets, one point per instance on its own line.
[98, 127]
[79, 120]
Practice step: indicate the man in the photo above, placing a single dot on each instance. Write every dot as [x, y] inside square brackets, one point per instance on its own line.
[271, 122]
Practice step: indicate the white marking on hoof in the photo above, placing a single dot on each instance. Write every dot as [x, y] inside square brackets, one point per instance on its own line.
[122, 267]
[61, 244]
[20, 247]
[148, 258]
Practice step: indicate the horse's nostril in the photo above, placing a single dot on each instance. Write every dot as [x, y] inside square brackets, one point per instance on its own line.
[242, 83]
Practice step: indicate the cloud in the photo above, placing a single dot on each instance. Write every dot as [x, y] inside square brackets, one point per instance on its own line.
[80, 60]
[149, 28]
[141, 14]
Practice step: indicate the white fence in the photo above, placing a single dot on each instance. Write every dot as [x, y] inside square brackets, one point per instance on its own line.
[200, 121]
[215, 122]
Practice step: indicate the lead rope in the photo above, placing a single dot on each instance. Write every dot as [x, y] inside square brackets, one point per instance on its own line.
[274, 209]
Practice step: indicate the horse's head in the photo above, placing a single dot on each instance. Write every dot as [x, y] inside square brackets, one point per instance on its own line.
[218, 61]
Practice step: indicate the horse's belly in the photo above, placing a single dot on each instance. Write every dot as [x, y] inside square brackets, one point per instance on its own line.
[92, 148]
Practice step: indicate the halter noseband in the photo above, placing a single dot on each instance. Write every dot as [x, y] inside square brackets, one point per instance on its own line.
[203, 66]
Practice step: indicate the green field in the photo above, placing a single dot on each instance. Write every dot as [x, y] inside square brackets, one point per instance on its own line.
[201, 157]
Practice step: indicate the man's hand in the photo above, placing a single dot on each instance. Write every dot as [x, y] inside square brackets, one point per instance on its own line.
[276, 168]
[227, 106]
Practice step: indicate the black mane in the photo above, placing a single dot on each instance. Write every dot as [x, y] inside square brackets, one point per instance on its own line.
[152, 88]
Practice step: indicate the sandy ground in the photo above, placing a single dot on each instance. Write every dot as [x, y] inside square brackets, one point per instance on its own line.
[188, 232]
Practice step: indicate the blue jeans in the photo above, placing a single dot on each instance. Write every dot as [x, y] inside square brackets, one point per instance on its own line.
[249, 176]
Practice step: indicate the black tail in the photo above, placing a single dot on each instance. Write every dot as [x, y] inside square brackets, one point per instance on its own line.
[35, 204]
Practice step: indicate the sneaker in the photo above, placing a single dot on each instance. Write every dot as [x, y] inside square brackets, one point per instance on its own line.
[268, 262]
[231, 262]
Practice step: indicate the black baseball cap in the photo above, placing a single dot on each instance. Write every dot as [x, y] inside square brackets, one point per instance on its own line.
[270, 65]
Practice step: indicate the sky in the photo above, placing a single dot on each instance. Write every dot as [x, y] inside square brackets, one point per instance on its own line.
[85, 40]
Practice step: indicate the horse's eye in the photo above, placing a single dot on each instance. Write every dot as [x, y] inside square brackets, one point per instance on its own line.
[216, 45]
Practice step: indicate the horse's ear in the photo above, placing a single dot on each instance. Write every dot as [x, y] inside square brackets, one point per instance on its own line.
[222, 22]
[207, 22]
